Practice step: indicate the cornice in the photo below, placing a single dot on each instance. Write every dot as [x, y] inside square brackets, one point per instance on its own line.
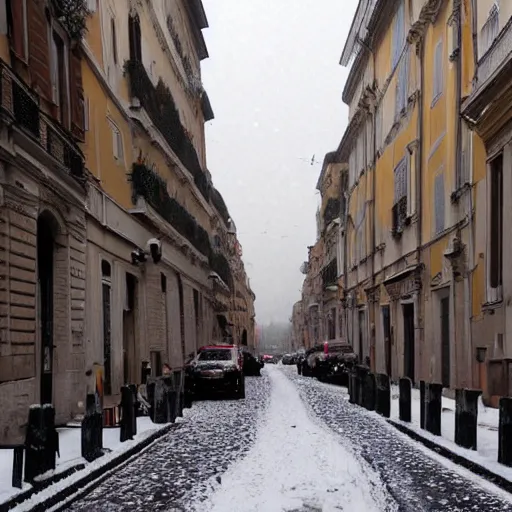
[428, 15]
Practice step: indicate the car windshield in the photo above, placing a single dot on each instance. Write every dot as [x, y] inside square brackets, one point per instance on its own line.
[215, 355]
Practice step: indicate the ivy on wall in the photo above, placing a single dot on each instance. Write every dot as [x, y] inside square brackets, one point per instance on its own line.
[152, 187]
[72, 14]
[160, 106]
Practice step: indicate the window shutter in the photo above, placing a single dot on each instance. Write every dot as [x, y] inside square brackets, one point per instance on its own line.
[438, 71]
[398, 33]
[76, 94]
[439, 203]
[38, 49]
[18, 25]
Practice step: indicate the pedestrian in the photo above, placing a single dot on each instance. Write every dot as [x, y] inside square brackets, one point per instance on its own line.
[166, 370]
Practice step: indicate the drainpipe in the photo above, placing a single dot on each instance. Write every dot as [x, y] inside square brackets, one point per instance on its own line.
[373, 332]
[474, 10]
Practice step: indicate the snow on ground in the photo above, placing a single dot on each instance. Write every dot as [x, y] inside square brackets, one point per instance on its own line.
[487, 440]
[71, 453]
[297, 464]
[179, 467]
[417, 478]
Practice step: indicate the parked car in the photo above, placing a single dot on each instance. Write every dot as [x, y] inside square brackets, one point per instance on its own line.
[334, 363]
[270, 359]
[288, 359]
[217, 369]
[309, 361]
[251, 366]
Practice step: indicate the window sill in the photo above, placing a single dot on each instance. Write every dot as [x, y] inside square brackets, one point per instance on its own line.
[459, 192]
[454, 55]
[490, 307]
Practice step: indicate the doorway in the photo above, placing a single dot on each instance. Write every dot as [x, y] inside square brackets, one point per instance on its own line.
[45, 252]
[445, 341]
[129, 330]
[361, 325]
[408, 312]
[244, 338]
[386, 331]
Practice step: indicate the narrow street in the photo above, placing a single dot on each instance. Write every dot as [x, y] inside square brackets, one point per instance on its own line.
[293, 445]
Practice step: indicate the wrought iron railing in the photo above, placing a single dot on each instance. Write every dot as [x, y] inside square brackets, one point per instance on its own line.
[220, 265]
[18, 101]
[159, 104]
[330, 273]
[399, 213]
[219, 204]
[332, 210]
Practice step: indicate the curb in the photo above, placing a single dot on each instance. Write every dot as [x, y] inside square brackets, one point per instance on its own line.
[474, 467]
[80, 484]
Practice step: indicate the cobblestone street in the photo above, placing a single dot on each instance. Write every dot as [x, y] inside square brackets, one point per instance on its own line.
[229, 450]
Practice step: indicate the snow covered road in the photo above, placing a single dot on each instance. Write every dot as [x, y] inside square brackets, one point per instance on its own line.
[297, 465]
[294, 445]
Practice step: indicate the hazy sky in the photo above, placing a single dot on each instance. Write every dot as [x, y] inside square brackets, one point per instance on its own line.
[275, 84]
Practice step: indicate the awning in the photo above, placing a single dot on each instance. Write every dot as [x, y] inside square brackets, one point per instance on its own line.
[394, 278]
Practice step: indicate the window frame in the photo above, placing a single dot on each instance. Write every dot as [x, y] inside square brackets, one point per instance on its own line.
[438, 83]
[439, 178]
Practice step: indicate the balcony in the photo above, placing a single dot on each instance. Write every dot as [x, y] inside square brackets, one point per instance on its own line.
[330, 274]
[332, 210]
[22, 106]
[488, 107]
[159, 105]
[220, 265]
[400, 219]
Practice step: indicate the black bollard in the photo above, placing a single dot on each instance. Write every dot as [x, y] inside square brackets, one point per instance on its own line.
[133, 389]
[360, 378]
[505, 432]
[434, 393]
[404, 400]
[370, 392]
[351, 387]
[383, 402]
[127, 414]
[466, 417]
[423, 403]
[52, 437]
[34, 444]
[17, 467]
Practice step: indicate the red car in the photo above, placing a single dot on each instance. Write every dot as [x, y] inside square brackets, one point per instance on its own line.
[217, 368]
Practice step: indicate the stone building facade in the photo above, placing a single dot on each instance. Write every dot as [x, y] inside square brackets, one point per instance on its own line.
[108, 212]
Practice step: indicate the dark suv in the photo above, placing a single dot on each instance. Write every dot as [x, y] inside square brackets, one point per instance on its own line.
[217, 368]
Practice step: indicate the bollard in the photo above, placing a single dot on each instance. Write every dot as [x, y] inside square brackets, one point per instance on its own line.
[433, 393]
[51, 445]
[360, 378]
[92, 430]
[505, 432]
[133, 389]
[383, 402]
[369, 391]
[34, 443]
[150, 392]
[423, 403]
[466, 417]
[404, 400]
[351, 387]
[17, 467]
[127, 414]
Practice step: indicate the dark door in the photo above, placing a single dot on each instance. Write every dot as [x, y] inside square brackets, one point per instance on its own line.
[45, 247]
[386, 326]
[408, 310]
[445, 341]
[361, 323]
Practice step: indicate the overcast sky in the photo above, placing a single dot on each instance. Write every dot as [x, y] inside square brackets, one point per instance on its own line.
[275, 84]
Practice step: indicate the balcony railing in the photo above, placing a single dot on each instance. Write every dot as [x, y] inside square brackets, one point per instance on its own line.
[19, 102]
[159, 104]
[330, 274]
[399, 213]
[220, 265]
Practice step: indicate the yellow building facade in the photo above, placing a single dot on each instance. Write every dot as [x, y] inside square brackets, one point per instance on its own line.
[415, 278]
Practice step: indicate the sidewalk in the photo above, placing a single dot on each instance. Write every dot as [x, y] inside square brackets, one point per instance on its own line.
[484, 461]
[71, 469]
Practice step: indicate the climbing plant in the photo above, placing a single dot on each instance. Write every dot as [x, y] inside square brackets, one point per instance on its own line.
[72, 14]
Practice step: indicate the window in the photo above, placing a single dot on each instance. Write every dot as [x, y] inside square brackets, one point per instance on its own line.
[437, 89]
[114, 39]
[398, 34]
[490, 30]
[331, 324]
[496, 226]
[401, 86]
[134, 37]
[18, 27]
[156, 363]
[464, 172]
[439, 210]
[86, 106]
[117, 142]
[163, 283]
[399, 211]
[59, 73]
